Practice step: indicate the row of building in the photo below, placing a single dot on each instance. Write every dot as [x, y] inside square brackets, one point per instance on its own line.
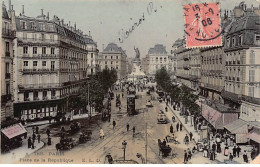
[227, 77]
[44, 62]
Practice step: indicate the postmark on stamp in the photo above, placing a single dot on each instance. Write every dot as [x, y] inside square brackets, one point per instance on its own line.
[202, 25]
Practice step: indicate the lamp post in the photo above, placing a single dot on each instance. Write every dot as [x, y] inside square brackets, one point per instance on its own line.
[124, 143]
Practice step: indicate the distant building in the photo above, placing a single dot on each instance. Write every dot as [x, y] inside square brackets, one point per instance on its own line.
[114, 57]
[7, 56]
[156, 59]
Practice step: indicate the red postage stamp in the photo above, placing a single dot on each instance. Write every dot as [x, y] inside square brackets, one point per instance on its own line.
[202, 25]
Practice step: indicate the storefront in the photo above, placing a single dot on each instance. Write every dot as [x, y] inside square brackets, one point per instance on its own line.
[217, 118]
[238, 129]
[254, 139]
[11, 137]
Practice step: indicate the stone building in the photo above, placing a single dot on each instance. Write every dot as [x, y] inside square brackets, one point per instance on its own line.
[156, 59]
[50, 66]
[188, 66]
[7, 56]
[242, 66]
[114, 57]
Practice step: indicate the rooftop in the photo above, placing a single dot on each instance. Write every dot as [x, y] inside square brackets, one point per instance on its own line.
[158, 49]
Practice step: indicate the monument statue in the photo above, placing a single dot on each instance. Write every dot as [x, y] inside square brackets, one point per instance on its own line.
[137, 56]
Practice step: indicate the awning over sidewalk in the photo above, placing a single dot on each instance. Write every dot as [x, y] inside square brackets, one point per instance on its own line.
[237, 127]
[211, 115]
[14, 130]
[254, 135]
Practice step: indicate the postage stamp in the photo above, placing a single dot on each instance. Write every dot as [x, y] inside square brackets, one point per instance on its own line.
[202, 25]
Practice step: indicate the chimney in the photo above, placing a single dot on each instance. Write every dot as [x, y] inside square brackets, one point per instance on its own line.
[23, 9]
[48, 17]
[69, 23]
[42, 11]
[89, 33]
[10, 5]
[75, 26]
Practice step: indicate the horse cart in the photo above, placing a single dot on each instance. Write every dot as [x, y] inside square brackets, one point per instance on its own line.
[66, 143]
[85, 136]
[165, 150]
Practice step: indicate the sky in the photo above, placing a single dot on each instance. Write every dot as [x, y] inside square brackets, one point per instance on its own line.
[105, 19]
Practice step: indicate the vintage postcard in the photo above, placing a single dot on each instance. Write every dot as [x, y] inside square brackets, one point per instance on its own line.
[130, 82]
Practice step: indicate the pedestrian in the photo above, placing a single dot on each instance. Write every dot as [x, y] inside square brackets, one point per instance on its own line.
[214, 146]
[205, 151]
[218, 148]
[234, 151]
[34, 137]
[245, 157]
[164, 142]
[37, 129]
[114, 124]
[48, 132]
[230, 157]
[191, 135]
[171, 129]
[166, 109]
[29, 142]
[185, 156]
[109, 158]
[39, 138]
[133, 131]
[127, 127]
[109, 117]
[238, 151]
[186, 139]
[226, 150]
[33, 144]
[49, 140]
[177, 126]
[180, 126]
[101, 132]
[189, 154]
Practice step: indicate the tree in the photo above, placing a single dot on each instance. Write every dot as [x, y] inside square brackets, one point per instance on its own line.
[163, 79]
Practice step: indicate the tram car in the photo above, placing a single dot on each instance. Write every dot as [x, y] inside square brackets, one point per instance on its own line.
[131, 105]
[161, 117]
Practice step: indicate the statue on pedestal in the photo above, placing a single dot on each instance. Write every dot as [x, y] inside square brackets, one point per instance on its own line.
[137, 56]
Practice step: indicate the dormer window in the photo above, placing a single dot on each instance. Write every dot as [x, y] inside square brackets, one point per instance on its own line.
[41, 25]
[23, 23]
[240, 40]
[257, 39]
[228, 43]
[33, 26]
[233, 41]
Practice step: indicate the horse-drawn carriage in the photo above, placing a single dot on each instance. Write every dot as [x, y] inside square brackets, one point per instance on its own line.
[172, 139]
[164, 149]
[74, 128]
[66, 143]
[85, 136]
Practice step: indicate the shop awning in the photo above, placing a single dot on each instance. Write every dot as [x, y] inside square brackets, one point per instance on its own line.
[254, 135]
[14, 130]
[237, 127]
[211, 115]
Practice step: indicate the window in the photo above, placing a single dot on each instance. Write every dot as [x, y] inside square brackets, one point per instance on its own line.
[257, 39]
[43, 63]
[42, 37]
[111, 62]
[111, 57]
[33, 26]
[228, 43]
[44, 94]
[7, 88]
[233, 41]
[105, 57]
[23, 25]
[252, 57]
[34, 36]
[34, 50]
[52, 37]
[35, 95]
[53, 93]
[52, 65]
[251, 75]
[7, 47]
[52, 50]
[35, 63]
[240, 40]
[92, 55]
[105, 62]
[251, 91]
[41, 25]
[43, 50]
[25, 50]
[25, 63]
[116, 57]
[6, 67]
[26, 95]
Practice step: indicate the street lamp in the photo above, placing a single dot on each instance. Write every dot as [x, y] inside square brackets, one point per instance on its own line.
[124, 143]
[138, 155]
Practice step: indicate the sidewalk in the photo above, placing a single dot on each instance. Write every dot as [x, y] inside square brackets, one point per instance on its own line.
[220, 156]
[17, 154]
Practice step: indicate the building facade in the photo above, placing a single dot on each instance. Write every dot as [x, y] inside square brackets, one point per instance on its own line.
[114, 57]
[50, 66]
[7, 56]
[156, 59]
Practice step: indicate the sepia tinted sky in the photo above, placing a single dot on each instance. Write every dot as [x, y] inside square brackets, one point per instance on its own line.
[106, 18]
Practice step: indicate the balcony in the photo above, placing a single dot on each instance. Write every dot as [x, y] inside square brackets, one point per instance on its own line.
[41, 56]
[39, 86]
[7, 54]
[38, 40]
[36, 98]
[249, 99]
[7, 75]
[43, 70]
[5, 98]
[7, 33]
[53, 97]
